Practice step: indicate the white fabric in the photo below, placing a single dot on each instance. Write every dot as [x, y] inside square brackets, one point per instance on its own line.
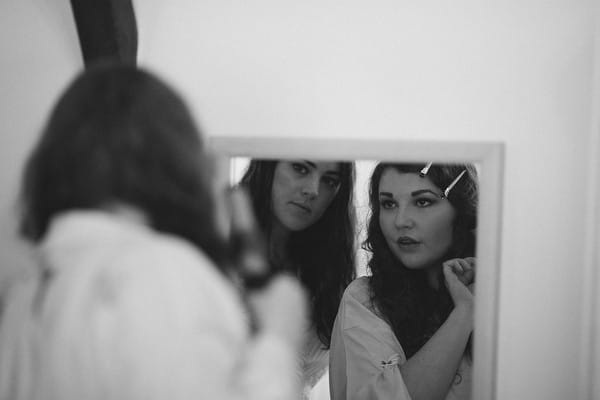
[314, 362]
[365, 354]
[129, 313]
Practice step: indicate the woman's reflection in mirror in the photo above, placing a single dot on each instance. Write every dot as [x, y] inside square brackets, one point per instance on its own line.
[306, 212]
[404, 332]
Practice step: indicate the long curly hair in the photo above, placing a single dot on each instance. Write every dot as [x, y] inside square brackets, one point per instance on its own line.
[120, 134]
[322, 255]
[411, 306]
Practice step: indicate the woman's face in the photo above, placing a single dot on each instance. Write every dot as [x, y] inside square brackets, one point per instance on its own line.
[302, 190]
[417, 224]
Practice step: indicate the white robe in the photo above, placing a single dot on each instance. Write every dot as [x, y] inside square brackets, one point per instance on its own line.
[121, 311]
[365, 355]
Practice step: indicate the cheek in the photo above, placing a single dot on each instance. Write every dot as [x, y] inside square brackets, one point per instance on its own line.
[323, 203]
[443, 234]
[385, 223]
[276, 201]
[283, 182]
[280, 189]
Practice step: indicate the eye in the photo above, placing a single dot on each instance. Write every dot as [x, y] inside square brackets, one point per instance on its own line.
[423, 202]
[332, 182]
[300, 168]
[387, 204]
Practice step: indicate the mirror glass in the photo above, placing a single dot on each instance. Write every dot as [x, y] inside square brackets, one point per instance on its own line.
[487, 158]
[363, 171]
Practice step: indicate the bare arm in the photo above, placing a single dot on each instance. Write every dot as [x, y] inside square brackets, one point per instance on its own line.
[429, 373]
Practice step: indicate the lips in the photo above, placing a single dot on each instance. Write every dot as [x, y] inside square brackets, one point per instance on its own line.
[302, 207]
[407, 241]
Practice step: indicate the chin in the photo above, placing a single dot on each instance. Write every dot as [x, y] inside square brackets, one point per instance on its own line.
[414, 267]
[413, 264]
[296, 227]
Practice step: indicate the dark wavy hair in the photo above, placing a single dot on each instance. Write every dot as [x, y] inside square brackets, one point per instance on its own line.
[404, 297]
[322, 255]
[119, 134]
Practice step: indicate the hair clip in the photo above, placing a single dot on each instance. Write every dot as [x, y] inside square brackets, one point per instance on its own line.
[425, 170]
[450, 186]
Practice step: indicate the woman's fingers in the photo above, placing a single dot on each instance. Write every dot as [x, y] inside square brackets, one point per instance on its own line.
[468, 271]
[464, 268]
[459, 292]
[472, 270]
[449, 271]
[470, 260]
[455, 265]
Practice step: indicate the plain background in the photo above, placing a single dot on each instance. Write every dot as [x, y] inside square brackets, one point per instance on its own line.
[520, 72]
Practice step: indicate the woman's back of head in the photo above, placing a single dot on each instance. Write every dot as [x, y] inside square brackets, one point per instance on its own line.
[119, 134]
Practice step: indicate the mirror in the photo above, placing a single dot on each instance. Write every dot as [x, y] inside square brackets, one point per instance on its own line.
[487, 157]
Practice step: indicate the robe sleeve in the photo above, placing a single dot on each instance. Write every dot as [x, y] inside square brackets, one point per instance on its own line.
[156, 323]
[183, 328]
[365, 354]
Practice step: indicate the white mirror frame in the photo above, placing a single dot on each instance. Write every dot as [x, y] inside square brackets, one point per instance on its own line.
[590, 340]
[488, 155]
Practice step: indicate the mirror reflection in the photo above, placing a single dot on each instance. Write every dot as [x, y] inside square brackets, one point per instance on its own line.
[386, 252]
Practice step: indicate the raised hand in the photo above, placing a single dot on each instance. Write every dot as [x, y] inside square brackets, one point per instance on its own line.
[281, 308]
[464, 268]
[459, 276]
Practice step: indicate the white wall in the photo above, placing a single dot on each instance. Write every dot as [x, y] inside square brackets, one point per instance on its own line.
[517, 71]
[39, 53]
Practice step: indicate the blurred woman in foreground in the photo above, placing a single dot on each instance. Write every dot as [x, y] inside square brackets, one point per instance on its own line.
[134, 298]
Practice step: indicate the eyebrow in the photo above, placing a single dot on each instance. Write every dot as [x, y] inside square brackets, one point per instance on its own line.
[423, 191]
[329, 172]
[413, 194]
[310, 163]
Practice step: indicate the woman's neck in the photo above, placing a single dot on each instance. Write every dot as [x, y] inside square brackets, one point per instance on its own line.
[127, 212]
[435, 276]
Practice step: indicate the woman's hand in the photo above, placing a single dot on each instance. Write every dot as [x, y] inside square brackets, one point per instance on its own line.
[281, 308]
[278, 302]
[459, 274]
[464, 268]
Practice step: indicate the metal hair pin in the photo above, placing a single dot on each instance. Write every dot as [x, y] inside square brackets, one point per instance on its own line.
[425, 170]
[454, 182]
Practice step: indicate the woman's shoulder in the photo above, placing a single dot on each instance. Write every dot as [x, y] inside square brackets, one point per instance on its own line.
[173, 259]
[358, 316]
[356, 304]
[358, 290]
[124, 252]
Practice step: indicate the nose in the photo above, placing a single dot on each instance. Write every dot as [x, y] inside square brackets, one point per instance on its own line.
[310, 189]
[403, 218]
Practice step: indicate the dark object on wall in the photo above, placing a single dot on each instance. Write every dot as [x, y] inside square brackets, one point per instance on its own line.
[107, 30]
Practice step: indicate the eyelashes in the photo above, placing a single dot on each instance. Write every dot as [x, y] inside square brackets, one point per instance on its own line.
[300, 168]
[334, 183]
[387, 204]
[421, 202]
[303, 170]
[424, 202]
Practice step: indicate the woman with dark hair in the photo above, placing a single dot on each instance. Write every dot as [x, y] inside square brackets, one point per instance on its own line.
[404, 332]
[305, 209]
[134, 298]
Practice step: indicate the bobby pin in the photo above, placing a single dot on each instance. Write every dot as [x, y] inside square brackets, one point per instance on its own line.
[454, 182]
[425, 170]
